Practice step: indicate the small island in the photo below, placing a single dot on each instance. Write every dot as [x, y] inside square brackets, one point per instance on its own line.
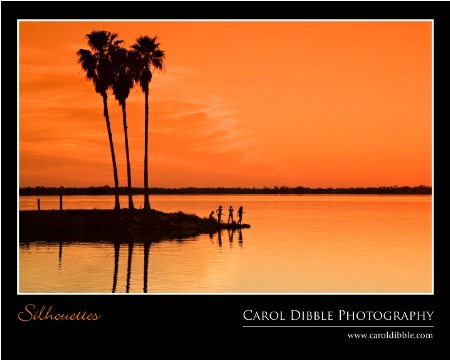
[114, 225]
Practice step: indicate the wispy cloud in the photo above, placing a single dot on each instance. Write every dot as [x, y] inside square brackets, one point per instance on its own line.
[62, 123]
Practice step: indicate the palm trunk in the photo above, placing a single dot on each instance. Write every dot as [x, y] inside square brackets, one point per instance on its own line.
[125, 129]
[146, 196]
[111, 145]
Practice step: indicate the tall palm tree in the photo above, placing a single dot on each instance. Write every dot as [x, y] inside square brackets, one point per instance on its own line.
[146, 57]
[97, 65]
[122, 84]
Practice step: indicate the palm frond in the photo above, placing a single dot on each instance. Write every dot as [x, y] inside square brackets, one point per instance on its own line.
[146, 54]
[98, 62]
[98, 40]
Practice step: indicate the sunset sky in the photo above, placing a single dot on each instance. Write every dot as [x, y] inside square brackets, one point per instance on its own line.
[239, 104]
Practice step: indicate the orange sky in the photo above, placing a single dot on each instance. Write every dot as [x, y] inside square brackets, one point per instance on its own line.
[240, 103]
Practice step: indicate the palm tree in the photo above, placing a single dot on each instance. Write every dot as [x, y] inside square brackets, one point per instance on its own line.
[96, 63]
[122, 84]
[146, 56]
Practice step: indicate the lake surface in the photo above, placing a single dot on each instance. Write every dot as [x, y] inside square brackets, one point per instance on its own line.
[308, 244]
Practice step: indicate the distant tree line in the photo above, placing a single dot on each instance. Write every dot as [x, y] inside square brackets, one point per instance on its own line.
[107, 190]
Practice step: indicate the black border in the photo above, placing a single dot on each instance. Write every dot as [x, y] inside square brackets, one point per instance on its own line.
[210, 324]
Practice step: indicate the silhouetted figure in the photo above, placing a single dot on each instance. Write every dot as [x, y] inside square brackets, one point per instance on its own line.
[230, 214]
[219, 213]
[211, 216]
[239, 213]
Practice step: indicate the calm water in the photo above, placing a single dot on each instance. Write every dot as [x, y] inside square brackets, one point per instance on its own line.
[296, 244]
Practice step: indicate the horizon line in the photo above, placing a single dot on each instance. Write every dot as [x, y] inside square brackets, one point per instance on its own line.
[228, 187]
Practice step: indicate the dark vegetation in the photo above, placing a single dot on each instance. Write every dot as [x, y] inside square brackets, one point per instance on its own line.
[113, 226]
[107, 190]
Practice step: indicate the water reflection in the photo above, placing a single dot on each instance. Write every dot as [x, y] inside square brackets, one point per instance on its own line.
[230, 235]
[146, 255]
[129, 265]
[116, 265]
[60, 255]
[219, 237]
[130, 256]
[337, 238]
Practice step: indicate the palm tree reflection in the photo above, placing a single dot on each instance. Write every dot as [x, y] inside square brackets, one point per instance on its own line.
[60, 255]
[130, 255]
[146, 255]
[129, 263]
[116, 265]
[146, 248]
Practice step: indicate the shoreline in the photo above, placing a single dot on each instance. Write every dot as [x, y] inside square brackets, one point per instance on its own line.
[114, 225]
[276, 190]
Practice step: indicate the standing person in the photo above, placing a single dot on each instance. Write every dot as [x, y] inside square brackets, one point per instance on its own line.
[230, 214]
[219, 213]
[240, 212]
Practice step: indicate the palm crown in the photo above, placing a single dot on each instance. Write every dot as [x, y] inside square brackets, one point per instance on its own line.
[98, 63]
[123, 77]
[146, 54]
